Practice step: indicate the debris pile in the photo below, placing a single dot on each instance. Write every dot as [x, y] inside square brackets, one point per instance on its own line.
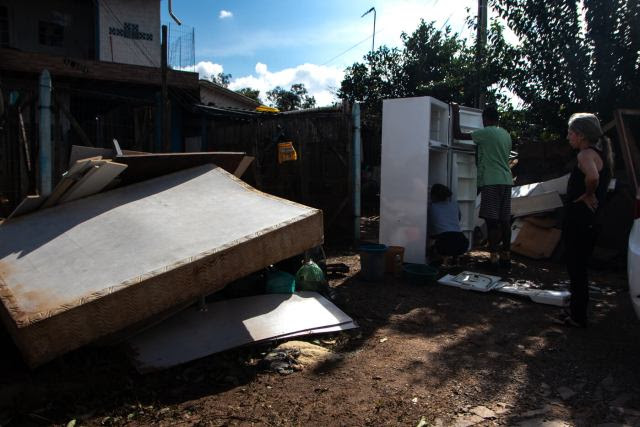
[85, 264]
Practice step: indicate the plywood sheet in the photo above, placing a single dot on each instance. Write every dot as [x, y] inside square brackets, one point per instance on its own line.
[193, 334]
[93, 181]
[93, 266]
[28, 204]
[147, 166]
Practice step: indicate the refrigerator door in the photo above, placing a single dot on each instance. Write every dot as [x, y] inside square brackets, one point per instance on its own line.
[439, 127]
[404, 174]
[470, 120]
[463, 184]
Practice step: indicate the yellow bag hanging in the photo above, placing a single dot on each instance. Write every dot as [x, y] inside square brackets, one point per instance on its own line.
[286, 152]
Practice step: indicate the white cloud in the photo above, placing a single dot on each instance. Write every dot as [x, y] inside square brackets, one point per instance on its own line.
[224, 14]
[206, 69]
[317, 79]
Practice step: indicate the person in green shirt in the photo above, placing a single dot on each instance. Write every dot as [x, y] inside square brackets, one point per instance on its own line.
[493, 146]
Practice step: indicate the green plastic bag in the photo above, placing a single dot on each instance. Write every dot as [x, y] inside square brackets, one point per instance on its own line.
[310, 277]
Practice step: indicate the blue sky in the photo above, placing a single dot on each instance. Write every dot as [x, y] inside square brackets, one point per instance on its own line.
[269, 43]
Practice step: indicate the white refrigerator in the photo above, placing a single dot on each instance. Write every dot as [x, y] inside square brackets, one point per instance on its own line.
[417, 152]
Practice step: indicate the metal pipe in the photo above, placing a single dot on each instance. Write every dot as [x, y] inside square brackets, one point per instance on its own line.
[373, 40]
[175, 18]
[45, 156]
[356, 170]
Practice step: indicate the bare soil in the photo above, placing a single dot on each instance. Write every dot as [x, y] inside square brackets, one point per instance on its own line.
[426, 354]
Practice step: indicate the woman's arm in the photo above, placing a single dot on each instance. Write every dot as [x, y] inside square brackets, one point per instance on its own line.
[590, 164]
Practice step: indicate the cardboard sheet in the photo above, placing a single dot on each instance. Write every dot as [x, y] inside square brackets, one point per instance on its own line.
[534, 241]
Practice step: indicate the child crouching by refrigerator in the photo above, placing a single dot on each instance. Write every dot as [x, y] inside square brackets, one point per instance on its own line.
[443, 226]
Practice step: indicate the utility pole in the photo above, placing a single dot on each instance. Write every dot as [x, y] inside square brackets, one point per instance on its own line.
[166, 142]
[481, 43]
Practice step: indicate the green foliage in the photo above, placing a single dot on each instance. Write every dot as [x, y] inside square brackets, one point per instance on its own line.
[434, 62]
[295, 98]
[572, 58]
[221, 79]
[572, 55]
[250, 93]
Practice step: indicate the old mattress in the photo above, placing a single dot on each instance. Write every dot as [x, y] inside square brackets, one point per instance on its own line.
[92, 267]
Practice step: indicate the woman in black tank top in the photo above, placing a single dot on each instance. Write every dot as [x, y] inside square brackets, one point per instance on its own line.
[586, 193]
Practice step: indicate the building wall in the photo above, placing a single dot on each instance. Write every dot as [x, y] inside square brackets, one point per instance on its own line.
[56, 27]
[129, 31]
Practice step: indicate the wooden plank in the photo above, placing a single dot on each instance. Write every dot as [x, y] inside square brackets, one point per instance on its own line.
[74, 123]
[94, 181]
[24, 140]
[75, 172]
[59, 191]
[243, 166]
[147, 166]
[59, 66]
[28, 204]
[630, 152]
[80, 152]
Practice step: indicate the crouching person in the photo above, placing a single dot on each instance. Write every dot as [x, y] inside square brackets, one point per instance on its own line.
[443, 225]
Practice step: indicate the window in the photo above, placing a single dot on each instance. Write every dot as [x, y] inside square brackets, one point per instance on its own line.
[4, 26]
[50, 33]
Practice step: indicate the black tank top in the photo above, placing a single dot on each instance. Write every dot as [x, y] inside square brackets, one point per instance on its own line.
[576, 188]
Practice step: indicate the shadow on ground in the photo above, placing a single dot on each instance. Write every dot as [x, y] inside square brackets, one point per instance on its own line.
[452, 349]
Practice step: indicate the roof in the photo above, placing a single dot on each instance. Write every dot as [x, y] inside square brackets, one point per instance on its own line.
[223, 91]
[16, 61]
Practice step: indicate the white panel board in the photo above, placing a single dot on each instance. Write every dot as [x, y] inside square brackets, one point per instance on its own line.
[543, 202]
[193, 334]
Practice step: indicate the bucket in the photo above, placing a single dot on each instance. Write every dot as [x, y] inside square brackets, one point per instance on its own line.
[372, 261]
[419, 274]
[391, 264]
[280, 282]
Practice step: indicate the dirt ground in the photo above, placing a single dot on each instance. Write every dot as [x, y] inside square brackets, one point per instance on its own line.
[423, 355]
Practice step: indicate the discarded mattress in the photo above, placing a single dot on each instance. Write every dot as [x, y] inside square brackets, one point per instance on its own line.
[76, 272]
[193, 334]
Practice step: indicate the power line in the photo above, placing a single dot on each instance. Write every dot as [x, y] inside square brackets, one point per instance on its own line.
[434, 3]
[352, 47]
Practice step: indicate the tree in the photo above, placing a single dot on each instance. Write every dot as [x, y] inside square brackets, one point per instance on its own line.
[432, 62]
[294, 99]
[574, 55]
[250, 93]
[221, 79]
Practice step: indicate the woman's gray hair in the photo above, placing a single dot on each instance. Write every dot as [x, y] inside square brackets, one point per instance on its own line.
[588, 125]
